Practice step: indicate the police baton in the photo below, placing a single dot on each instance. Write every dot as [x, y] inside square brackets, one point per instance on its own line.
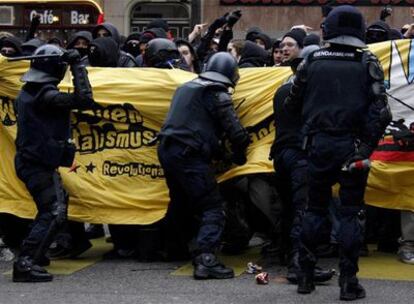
[33, 57]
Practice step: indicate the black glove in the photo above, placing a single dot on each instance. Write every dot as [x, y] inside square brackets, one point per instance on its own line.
[385, 13]
[71, 56]
[218, 23]
[35, 21]
[362, 152]
[85, 103]
[233, 17]
[239, 158]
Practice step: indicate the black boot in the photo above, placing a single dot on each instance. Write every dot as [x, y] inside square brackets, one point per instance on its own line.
[305, 282]
[319, 275]
[206, 266]
[351, 289]
[25, 271]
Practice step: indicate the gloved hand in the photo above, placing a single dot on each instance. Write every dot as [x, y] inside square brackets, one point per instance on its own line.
[83, 102]
[71, 56]
[233, 17]
[36, 20]
[218, 23]
[239, 158]
[363, 151]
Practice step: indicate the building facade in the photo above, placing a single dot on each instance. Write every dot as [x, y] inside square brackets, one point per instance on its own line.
[273, 16]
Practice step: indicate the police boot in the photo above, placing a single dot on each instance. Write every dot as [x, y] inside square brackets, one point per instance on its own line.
[25, 271]
[319, 275]
[305, 282]
[350, 289]
[207, 266]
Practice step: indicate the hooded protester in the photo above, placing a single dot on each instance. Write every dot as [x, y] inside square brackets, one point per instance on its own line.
[131, 45]
[103, 52]
[252, 56]
[109, 30]
[377, 32]
[106, 29]
[10, 46]
[259, 37]
[30, 46]
[161, 24]
[80, 41]
[251, 32]
[146, 37]
[189, 55]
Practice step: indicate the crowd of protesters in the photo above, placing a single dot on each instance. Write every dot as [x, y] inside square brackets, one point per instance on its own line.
[255, 210]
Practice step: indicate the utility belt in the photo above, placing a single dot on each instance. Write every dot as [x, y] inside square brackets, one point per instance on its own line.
[309, 138]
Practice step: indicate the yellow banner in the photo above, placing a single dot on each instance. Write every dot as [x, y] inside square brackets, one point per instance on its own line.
[117, 178]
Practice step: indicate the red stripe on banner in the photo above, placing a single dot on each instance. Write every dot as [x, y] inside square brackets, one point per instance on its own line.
[393, 156]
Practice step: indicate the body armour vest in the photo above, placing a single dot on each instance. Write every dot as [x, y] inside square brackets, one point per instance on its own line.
[337, 91]
[192, 117]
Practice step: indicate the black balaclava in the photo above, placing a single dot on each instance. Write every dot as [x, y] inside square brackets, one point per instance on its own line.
[103, 52]
[133, 47]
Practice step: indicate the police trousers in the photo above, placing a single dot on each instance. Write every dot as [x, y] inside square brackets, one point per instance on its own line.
[192, 185]
[326, 157]
[45, 186]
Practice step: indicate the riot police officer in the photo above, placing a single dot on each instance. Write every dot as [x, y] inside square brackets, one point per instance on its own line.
[340, 92]
[42, 145]
[201, 113]
[290, 163]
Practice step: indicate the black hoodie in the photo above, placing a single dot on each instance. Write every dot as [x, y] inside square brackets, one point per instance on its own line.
[81, 34]
[253, 56]
[111, 29]
[83, 52]
[103, 52]
[13, 42]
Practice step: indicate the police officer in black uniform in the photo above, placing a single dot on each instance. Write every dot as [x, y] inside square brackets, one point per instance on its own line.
[201, 114]
[340, 92]
[290, 163]
[43, 145]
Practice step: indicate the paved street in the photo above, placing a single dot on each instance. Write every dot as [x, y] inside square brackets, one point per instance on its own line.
[133, 282]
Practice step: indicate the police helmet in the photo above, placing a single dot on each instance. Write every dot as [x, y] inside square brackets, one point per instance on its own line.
[222, 67]
[345, 25]
[44, 70]
[161, 53]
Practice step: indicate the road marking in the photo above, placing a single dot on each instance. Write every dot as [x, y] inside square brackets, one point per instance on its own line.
[384, 266]
[87, 259]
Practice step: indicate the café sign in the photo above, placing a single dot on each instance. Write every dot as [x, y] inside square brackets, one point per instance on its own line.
[59, 17]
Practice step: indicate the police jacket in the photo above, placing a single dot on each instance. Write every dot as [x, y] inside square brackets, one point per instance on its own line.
[201, 113]
[43, 125]
[340, 90]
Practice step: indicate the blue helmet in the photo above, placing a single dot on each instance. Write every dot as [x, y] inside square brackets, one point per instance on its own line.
[345, 25]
